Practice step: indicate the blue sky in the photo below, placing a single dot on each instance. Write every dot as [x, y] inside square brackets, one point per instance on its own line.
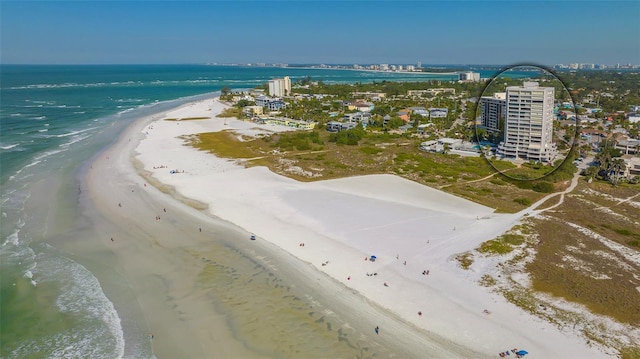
[452, 32]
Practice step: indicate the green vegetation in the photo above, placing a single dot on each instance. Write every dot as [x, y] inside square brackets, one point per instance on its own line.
[222, 144]
[523, 201]
[488, 281]
[349, 137]
[231, 112]
[370, 150]
[574, 265]
[465, 260]
[630, 353]
[301, 141]
[501, 245]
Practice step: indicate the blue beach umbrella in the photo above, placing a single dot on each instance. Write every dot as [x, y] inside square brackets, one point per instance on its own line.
[522, 352]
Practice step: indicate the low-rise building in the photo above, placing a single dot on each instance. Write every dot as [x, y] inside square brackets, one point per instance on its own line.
[634, 117]
[419, 110]
[433, 92]
[633, 167]
[423, 128]
[281, 121]
[438, 112]
[273, 104]
[356, 117]
[373, 96]
[253, 110]
[404, 115]
[334, 126]
[276, 105]
[628, 146]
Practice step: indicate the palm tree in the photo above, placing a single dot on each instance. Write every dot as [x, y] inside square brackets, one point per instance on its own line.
[617, 166]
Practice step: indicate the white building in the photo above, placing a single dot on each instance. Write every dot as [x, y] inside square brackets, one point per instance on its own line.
[469, 76]
[528, 127]
[280, 87]
[492, 110]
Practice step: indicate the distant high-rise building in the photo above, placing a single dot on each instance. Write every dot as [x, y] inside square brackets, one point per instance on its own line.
[280, 87]
[492, 110]
[528, 127]
[469, 76]
[419, 65]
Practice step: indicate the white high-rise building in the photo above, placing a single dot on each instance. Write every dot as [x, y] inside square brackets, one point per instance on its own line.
[280, 87]
[528, 127]
[492, 110]
[469, 76]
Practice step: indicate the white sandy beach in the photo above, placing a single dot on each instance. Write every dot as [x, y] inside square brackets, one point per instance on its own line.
[342, 222]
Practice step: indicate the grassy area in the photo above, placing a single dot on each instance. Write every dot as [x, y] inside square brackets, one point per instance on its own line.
[231, 112]
[487, 281]
[630, 353]
[570, 265]
[501, 245]
[603, 215]
[526, 172]
[223, 144]
[504, 197]
[465, 260]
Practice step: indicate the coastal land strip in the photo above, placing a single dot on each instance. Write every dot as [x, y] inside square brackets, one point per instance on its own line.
[318, 237]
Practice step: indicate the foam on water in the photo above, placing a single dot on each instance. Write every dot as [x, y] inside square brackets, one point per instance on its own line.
[13, 238]
[97, 332]
[75, 132]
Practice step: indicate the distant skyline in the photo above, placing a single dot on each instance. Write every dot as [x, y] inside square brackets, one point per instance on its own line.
[356, 32]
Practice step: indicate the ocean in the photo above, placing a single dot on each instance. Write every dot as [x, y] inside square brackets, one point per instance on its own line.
[53, 121]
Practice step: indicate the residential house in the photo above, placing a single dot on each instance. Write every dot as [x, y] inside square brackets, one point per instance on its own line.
[423, 128]
[273, 104]
[386, 120]
[253, 110]
[633, 167]
[438, 112]
[419, 110]
[628, 146]
[334, 126]
[432, 92]
[276, 105]
[404, 115]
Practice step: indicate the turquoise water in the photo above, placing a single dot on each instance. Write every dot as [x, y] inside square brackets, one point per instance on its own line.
[53, 121]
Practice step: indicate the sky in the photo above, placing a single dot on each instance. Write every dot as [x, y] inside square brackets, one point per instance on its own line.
[331, 32]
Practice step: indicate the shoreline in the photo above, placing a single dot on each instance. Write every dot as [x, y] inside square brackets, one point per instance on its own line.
[278, 210]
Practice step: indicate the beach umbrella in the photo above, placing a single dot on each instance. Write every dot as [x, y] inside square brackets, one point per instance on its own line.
[522, 352]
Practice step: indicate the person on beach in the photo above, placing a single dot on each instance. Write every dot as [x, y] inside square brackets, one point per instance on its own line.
[377, 330]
